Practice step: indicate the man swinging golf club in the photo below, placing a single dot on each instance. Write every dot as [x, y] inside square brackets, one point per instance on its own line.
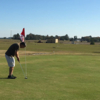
[10, 53]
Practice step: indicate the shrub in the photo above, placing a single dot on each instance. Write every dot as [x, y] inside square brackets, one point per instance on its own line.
[92, 42]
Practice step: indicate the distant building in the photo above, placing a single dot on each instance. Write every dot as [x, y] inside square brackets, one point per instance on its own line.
[52, 41]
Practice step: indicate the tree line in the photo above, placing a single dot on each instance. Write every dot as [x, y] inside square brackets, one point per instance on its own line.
[65, 37]
[42, 37]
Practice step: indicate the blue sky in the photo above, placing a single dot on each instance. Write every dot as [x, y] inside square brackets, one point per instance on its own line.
[50, 17]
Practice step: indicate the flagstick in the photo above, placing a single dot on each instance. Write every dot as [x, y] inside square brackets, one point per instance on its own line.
[22, 40]
[25, 63]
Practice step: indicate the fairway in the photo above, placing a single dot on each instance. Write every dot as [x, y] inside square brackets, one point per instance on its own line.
[53, 77]
[66, 75]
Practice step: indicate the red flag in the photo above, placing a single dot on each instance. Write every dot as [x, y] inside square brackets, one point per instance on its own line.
[22, 35]
[23, 32]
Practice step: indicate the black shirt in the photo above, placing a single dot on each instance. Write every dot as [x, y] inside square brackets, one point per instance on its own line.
[11, 51]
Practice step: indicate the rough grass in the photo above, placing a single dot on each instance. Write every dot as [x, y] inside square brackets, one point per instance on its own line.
[60, 48]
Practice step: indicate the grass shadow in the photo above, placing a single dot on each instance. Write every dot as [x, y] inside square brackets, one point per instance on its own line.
[96, 52]
[3, 78]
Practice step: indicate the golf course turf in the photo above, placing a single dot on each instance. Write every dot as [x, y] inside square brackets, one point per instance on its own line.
[54, 71]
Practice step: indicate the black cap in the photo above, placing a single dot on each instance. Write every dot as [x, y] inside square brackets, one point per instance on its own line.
[23, 43]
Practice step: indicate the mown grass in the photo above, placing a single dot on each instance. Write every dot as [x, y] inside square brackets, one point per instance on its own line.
[53, 77]
[56, 77]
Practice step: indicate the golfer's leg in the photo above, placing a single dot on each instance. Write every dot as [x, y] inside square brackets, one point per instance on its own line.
[11, 69]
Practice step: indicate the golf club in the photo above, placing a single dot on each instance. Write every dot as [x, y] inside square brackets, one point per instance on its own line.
[22, 70]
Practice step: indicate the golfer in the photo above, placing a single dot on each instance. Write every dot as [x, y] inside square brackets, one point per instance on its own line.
[10, 53]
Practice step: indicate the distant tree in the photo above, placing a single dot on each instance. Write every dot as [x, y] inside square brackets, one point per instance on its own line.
[90, 38]
[57, 37]
[62, 38]
[47, 37]
[16, 36]
[71, 39]
[96, 39]
[43, 37]
[51, 37]
[92, 41]
[75, 38]
[66, 37]
[87, 38]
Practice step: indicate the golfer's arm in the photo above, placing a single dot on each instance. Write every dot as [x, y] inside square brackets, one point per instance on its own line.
[17, 55]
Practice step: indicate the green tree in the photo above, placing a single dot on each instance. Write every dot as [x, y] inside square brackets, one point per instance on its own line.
[16, 36]
[75, 38]
[92, 41]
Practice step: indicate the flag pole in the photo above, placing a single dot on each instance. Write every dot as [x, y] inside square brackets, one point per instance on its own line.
[25, 63]
[22, 38]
